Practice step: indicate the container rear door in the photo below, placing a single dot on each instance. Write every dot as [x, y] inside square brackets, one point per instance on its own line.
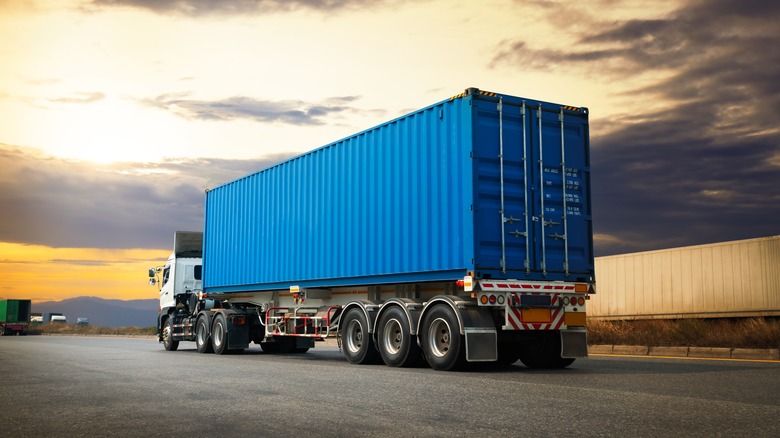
[23, 312]
[531, 164]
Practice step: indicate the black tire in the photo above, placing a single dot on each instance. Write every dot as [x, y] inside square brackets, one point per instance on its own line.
[202, 336]
[219, 335]
[167, 336]
[540, 362]
[299, 350]
[508, 353]
[288, 345]
[357, 345]
[544, 352]
[284, 345]
[561, 362]
[442, 344]
[395, 342]
[270, 347]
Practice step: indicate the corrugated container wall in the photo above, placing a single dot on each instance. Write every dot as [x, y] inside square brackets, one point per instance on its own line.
[415, 199]
[15, 310]
[729, 279]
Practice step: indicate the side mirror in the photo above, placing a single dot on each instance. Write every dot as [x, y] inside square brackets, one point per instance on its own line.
[151, 272]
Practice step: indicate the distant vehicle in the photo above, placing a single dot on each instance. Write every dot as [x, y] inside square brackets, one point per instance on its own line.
[82, 321]
[14, 317]
[36, 320]
[49, 316]
[59, 319]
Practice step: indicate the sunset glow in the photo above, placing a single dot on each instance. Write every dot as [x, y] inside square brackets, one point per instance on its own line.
[117, 115]
[41, 273]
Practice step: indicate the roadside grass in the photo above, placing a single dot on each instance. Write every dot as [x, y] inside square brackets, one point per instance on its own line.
[71, 329]
[730, 333]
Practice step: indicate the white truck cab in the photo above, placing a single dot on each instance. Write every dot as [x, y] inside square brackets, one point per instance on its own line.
[182, 272]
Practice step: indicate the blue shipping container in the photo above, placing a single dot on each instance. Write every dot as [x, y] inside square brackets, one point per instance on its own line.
[478, 183]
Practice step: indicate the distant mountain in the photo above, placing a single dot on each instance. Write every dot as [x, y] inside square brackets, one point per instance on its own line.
[102, 312]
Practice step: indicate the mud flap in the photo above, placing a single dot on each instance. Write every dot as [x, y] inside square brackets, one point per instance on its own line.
[237, 338]
[481, 344]
[574, 343]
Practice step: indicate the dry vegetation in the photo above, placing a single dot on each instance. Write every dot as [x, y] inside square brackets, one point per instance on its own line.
[735, 333]
[70, 329]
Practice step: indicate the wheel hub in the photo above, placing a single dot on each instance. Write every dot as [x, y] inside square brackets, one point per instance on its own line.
[439, 336]
[393, 337]
[354, 337]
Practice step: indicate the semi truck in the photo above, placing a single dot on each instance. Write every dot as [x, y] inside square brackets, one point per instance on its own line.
[455, 235]
[15, 317]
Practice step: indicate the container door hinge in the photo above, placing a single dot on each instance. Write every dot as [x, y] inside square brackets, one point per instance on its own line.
[563, 186]
[500, 109]
[541, 188]
[525, 191]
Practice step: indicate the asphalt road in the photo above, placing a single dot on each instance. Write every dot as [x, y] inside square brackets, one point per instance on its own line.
[82, 386]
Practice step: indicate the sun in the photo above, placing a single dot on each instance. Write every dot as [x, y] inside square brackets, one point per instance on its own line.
[108, 131]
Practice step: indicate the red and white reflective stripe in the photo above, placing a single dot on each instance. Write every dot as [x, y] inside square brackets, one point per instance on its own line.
[525, 286]
[514, 315]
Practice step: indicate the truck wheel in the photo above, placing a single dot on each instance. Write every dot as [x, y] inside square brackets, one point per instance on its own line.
[508, 353]
[358, 346]
[544, 352]
[270, 347]
[541, 362]
[288, 346]
[284, 345]
[202, 336]
[442, 343]
[219, 337]
[396, 344]
[167, 336]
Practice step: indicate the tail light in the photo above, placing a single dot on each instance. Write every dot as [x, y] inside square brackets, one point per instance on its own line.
[238, 319]
[492, 299]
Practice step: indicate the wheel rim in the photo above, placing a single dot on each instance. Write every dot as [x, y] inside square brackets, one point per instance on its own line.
[218, 333]
[354, 336]
[392, 338]
[167, 333]
[201, 333]
[439, 337]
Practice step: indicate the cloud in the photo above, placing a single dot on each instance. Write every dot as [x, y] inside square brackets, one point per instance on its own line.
[224, 7]
[293, 112]
[62, 203]
[77, 262]
[703, 168]
[80, 98]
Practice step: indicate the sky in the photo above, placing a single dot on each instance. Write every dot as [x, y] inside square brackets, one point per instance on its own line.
[117, 115]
